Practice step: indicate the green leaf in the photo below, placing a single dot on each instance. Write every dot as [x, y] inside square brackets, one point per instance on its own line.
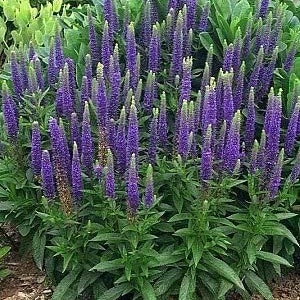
[3, 251]
[187, 288]
[148, 291]
[225, 286]
[6, 205]
[4, 273]
[206, 41]
[241, 8]
[255, 282]
[115, 292]
[273, 258]
[109, 237]
[180, 217]
[280, 229]
[86, 279]
[38, 247]
[57, 5]
[62, 288]
[223, 269]
[107, 266]
[284, 216]
[165, 282]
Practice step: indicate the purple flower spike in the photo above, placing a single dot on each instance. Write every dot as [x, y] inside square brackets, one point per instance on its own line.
[198, 108]
[292, 130]
[9, 113]
[272, 128]
[232, 146]
[52, 69]
[264, 4]
[254, 77]
[206, 169]
[275, 179]
[23, 70]
[32, 80]
[228, 57]
[173, 4]
[131, 53]
[98, 170]
[253, 167]
[209, 110]
[15, 74]
[203, 25]
[237, 50]
[67, 101]
[149, 92]
[36, 149]
[101, 99]
[115, 83]
[106, 48]
[250, 122]
[88, 72]
[261, 156]
[132, 134]
[228, 108]
[289, 60]
[58, 51]
[93, 40]
[239, 87]
[206, 77]
[296, 169]
[154, 50]
[153, 139]
[39, 73]
[31, 53]
[111, 16]
[186, 82]
[75, 132]
[147, 24]
[191, 13]
[77, 183]
[112, 135]
[219, 148]
[84, 93]
[177, 54]
[121, 143]
[149, 191]
[87, 151]
[110, 176]
[183, 131]
[132, 186]
[170, 22]
[47, 176]
[71, 78]
[162, 121]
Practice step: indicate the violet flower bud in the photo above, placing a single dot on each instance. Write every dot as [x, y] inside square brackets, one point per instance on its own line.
[88, 72]
[132, 133]
[15, 74]
[186, 82]
[149, 191]
[77, 183]
[254, 77]
[162, 121]
[154, 50]
[206, 169]
[67, 101]
[232, 146]
[205, 78]
[106, 48]
[32, 80]
[87, 151]
[153, 139]
[219, 147]
[149, 92]
[31, 53]
[296, 169]
[247, 37]
[71, 78]
[191, 13]
[170, 22]
[47, 176]
[228, 57]
[98, 170]
[84, 93]
[239, 87]
[198, 109]
[275, 179]
[261, 156]
[23, 70]
[228, 108]
[9, 114]
[112, 135]
[147, 24]
[138, 94]
[237, 50]
[291, 133]
[177, 54]
[52, 69]
[111, 16]
[183, 131]
[264, 4]
[172, 4]
[209, 110]
[93, 40]
[203, 24]
[36, 149]
[131, 53]
[253, 167]
[121, 142]
[110, 176]
[290, 56]
[132, 186]
[75, 132]
[58, 51]
[101, 99]
[39, 73]
[250, 122]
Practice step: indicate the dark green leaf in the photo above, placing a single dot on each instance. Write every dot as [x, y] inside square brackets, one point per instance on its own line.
[256, 283]
[187, 288]
[273, 258]
[106, 266]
